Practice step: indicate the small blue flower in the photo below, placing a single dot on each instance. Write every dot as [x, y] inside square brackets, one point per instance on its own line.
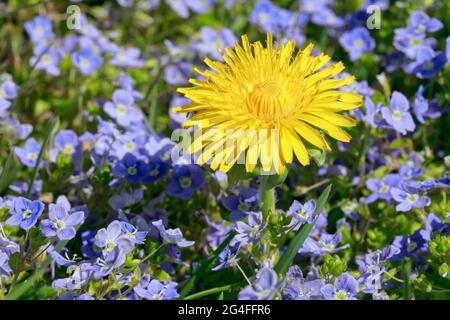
[8, 92]
[122, 108]
[25, 213]
[157, 169]
[5, 269]
[67, 144]
[326, 244]
[171, 236]
[127, 58]
[185, 179]
[420, 23]
[62, 220]
[356, 42]
[87, 61]
[345, 288]
[265, 286]
[111, 237]
[302, 213]
[39, 29]
[381, 188]
[46, 58]
[133, 234]
[397, 114]
[151, 289]
[130, 169]
[240, 205]
[428, 68]
[228, 256]
[406, 201]
[29, 154]
[251, 231]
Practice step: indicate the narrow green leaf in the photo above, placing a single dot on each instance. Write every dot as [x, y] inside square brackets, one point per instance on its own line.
[8, 173]
[208, 292]
[302, 234]
[235, 174]
[204, 267]
[41, 154]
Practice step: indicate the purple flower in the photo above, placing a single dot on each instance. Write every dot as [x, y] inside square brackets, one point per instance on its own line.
[397, 114]
[111, 237]
[178, 74]
[125, 199]
[328, 18]
[373, 112]
[422, 106]
[62, 220]
[67, 144]
[240, 205]
[345, 288]
[25, 213]
[171, 236]
[420, 23]
[87, 61]
[251, 231]
[122, 108]
[299, 288]
[8, 92]
[228, 256]
[39, 29]
[157, 169]
[127, 58]
[47, 58]
[130, 168]
[5, 269]
[428, 68]
[265, 286]
[211, 40]
[151, 289]
[200, 6]
[29, 154]
[356, 42]
[302, 213]
[133, 234]
[326, 244]
[381, 188]
[185, 179]
[406, 201]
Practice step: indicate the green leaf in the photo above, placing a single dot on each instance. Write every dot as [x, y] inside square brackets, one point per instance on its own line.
[303, 233]
[204, 267]
[41, 154]
[271, 181]
[319, 156]
[9, 173]
[235, 174]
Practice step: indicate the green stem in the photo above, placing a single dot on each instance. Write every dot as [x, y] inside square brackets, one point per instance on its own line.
[267, 198]
[208, 292]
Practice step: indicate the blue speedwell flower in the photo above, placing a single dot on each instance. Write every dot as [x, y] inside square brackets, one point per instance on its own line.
[345, 288]
[111, 237]
[397, 114]
[29, 154]
[264, 287]
[356, 42]
[39, 29]
[185, 179]
[130, 168]
[151, 289]
[171, 236]
[132, 233]
[25, 213]
[62, 221]
[122, 108]
[240, 205]
[302, 213]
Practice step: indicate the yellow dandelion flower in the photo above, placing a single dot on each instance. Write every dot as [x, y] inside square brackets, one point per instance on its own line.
[259, 93]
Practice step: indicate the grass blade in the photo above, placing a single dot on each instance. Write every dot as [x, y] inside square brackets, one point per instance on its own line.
[303, 233]
[41, 154]
[204, 267]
